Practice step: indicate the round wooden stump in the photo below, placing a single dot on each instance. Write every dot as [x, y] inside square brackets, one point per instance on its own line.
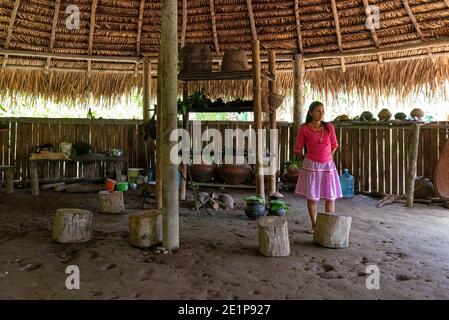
[145, 228]
[332, 231]
[273, 237]
[111, 202]
[72, 225]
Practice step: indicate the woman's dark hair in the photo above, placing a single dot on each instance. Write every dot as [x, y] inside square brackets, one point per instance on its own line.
[312, 107]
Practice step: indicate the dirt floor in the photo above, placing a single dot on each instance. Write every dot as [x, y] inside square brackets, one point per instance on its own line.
[218, 258]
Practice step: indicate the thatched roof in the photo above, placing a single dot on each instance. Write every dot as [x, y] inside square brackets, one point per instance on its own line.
[341, 51]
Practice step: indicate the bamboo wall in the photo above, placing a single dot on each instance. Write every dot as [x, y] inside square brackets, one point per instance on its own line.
[26, 134]
[376, 155]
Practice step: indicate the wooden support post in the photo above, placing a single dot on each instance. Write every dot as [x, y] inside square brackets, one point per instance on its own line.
[257, 98]
[185, 120]
[273, 126]
[413, 158]
[169, 91]
[9, 179]
[273, 237]
[146, 88]
[298, 98]
[34, 179]
[159, 177]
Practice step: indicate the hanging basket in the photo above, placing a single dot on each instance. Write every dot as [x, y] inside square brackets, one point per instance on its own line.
[271, 101]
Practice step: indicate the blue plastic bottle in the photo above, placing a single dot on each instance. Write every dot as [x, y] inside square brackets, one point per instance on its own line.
[347, 184]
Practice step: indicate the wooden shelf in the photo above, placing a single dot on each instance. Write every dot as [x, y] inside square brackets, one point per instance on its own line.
[222, 109]
[4, 130]
[210, 76]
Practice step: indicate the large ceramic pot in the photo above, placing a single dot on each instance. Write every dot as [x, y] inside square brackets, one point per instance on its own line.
[202, 173]
[291, 176]
[234, 173]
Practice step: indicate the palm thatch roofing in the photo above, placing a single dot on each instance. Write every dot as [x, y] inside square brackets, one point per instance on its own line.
[404, 49]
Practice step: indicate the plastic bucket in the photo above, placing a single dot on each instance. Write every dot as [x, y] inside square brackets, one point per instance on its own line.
[110, 185]
[122, 186]
[65, 148]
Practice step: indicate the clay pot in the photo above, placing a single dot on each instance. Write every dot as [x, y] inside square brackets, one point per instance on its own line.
[291, 176]
[385, 115]
[417, 114]
[234, 173]
[280, 212]
[202, 173]
[255, 210]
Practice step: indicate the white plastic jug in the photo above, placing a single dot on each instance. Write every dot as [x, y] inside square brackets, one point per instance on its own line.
[66, 148]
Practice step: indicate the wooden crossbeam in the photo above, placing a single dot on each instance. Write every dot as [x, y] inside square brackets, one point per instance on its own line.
[338, 32]
[184, 23]
[214, 25]
[53, 31]
[91, 32]
[298, 28]
[12, 20]
[251, 19]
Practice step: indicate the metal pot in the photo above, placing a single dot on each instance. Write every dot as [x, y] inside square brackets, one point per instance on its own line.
[117, 152]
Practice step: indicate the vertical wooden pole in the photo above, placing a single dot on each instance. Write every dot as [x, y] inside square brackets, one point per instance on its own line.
[146, 88]
[9, 179]
[273, 125]
[298, 98]
[413, 158]
[257, 99]
[159, 167]
[169, 91]
[185, 119]
[34, 179]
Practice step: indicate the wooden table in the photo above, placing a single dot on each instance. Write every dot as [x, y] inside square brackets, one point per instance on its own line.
[116, 161]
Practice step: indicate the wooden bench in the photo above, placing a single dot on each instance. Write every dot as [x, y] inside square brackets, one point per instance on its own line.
[9, 178]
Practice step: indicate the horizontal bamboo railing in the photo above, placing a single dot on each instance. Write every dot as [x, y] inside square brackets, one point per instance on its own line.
[375, 153]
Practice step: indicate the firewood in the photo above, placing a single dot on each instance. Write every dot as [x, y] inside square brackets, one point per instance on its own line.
[213, 203]
[53, 185]
[386, 200]
[202, 198]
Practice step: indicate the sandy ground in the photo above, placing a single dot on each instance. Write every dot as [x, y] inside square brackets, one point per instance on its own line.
[218, 258]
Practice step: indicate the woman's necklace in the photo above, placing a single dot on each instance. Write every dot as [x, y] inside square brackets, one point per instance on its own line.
[321, 138]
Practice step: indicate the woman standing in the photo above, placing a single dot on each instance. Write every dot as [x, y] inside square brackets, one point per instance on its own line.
[318, 178]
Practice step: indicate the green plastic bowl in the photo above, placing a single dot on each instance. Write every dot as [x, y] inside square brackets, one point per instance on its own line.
[122, 186]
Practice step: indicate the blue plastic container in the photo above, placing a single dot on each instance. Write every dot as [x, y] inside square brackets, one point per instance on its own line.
[347, 184]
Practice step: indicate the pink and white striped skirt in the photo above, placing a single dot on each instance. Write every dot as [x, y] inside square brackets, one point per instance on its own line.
[318, 181]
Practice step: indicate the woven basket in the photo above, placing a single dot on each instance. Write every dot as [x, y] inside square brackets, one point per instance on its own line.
[196, 58]
[272, 101]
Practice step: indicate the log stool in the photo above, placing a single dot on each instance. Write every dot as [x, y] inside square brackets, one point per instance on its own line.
[332, 231]
[9, 178]
[273, 237]
[72, 225]
[145, 228]
[111, 202]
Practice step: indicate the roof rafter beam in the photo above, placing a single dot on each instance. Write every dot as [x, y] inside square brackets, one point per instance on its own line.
[93, 12]
[252, 22]
[214, 25]
[338, 32]
[298, 28]
[415, 23]
[12, 20]
[184, 23]
[53, 31]
[139, 32]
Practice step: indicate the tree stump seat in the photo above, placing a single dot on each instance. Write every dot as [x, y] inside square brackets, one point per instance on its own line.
[9, 178]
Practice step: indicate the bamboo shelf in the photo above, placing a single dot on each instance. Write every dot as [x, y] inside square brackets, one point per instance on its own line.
[210, 76]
